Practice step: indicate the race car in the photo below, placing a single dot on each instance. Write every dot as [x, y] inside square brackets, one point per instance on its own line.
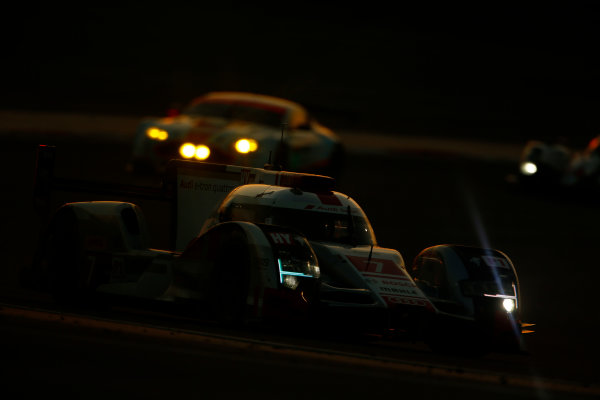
[255, 245]
[239, 128]
[554, 166]
[543, 164]
[469, 293]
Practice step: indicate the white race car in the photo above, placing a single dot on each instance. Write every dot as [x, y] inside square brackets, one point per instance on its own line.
[252, 244]
[239, 128]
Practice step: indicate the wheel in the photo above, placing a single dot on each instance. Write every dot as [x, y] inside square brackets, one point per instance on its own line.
[231, 278]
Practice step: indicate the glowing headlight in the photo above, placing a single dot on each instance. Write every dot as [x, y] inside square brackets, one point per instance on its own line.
[290, 281]
[202, 152]
[290, 270]
[246, 146]
[156, 134]
[509, 305]
[187, 150]
[528, 168]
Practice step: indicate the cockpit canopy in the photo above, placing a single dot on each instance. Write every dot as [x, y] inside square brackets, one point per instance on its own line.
[324, 217]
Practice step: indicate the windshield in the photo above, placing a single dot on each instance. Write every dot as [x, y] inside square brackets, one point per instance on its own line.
[348, 229]
[238, 110]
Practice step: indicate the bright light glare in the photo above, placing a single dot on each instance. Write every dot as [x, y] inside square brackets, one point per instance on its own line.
[508, 304]
[528, 168]
[156, 134]
[202, 152]
[187, 150]
[246, 145]
[290, 281]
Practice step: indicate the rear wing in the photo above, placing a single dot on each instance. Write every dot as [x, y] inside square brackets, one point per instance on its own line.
[193, 189]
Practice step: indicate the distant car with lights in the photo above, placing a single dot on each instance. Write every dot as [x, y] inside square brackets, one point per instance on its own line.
[544, 163]
[239, 128]
[554, 166]
[253, 244]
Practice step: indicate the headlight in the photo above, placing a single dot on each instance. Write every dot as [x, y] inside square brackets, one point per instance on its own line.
[202, 152]
[290, 281]
[291, 269]
[189, 150]
[155, 133]
[528, 168]
[246, 146]
[509, 305]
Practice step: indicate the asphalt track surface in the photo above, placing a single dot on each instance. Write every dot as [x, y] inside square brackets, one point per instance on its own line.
[416, 192]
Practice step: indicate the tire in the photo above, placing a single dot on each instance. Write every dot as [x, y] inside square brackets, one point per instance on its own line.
[230, 283]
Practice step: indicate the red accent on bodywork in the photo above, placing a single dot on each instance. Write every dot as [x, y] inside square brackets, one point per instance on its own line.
[593, 144]
[329, 199]
[376, 265]
[408, 300]
[389, 274]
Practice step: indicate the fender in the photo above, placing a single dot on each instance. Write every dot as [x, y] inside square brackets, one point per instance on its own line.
[273, 289]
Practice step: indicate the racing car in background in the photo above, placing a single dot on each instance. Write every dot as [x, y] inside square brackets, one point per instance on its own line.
[553, 165]
[544, 163]
[252, 245]
[239, 128]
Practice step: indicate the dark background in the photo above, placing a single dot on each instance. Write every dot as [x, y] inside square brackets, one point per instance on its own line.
[498, 70]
